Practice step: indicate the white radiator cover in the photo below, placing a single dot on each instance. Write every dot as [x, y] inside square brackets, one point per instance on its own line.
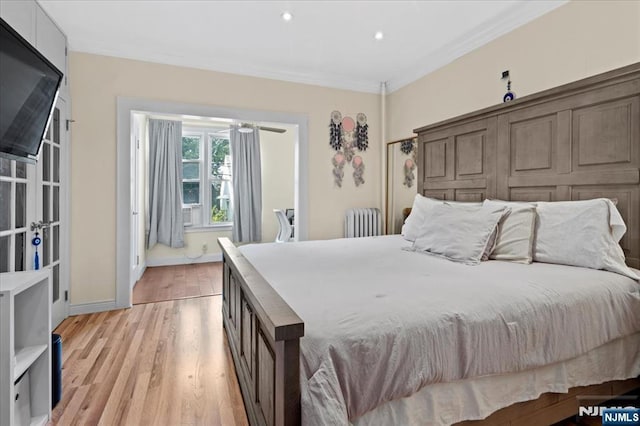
[362, 222]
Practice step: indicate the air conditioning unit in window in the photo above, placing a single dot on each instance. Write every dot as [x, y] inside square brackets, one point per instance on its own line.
[191, 215]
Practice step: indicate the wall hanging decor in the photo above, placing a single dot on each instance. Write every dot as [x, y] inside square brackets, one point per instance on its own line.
[347, 135]
[407, 147]
[338, 168]
[362, 136]
[335, 130]
[509, 96]
[409, 176]
[358, 170]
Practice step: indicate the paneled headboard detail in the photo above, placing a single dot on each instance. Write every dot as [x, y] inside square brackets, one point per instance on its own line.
[573, 142]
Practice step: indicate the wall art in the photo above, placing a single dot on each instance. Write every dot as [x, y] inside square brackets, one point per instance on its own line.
[358, 170]
[338, 168]
[346, 136]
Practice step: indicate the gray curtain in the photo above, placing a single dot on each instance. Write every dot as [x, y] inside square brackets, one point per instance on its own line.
[164, 214]
[247, 185]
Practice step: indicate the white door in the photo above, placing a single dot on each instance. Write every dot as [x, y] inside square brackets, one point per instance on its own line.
[51, 209]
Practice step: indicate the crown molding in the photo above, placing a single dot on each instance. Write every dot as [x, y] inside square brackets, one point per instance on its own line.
[502, 24]
[334, 81]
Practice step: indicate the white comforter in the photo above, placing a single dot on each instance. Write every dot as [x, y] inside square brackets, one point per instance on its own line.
[381, 322]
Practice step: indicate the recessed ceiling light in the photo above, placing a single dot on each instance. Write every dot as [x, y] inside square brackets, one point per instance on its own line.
[379, 35]
[287, 16]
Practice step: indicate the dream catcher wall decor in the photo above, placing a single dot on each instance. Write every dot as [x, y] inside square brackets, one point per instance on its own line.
[346, 136]
[408, 147]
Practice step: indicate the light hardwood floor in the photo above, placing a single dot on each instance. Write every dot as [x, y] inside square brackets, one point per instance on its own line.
[164, 363]
[178, 282]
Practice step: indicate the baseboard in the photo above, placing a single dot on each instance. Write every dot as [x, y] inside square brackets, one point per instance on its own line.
[93, 307]
[183, 260]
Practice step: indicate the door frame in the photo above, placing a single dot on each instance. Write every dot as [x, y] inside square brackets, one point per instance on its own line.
[126, 106]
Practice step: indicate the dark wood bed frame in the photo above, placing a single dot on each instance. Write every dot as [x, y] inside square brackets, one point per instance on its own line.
[577, 141]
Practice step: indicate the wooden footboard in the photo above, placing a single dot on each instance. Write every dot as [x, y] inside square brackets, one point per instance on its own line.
[264, 337]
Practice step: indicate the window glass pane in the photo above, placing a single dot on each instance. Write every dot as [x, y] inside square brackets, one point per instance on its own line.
[56, 125]
[45, 161]
[21, 170]
[21, 205]
[190, 170]
[45, 204]
[191, 192]
[56, 243]
[190, 147]
[56, 164]
[5, 206]
[220, 158]
[46, 241]
[5, 167]
[4, 253]
[48, 135]
[220, 202]
[20, 251]
[56, 203]
[56, 283]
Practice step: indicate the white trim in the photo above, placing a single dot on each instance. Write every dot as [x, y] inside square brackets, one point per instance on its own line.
[127, 106]
[184, 260]
[93, 307]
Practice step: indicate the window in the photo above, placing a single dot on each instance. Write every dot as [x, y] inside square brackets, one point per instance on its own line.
[220, 180]
[191, 166]
[206, 177]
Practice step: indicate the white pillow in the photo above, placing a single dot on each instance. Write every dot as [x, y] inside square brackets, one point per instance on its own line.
[458, 234]
[412, 225]
[581, 233]
[421, 204]
[515, 236]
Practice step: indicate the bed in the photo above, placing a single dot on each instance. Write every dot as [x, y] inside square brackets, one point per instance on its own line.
[392, 337]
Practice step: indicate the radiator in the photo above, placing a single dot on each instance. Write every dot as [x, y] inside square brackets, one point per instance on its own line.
[362, 223]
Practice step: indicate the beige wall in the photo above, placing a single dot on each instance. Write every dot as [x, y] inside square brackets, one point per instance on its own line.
[96, 81]
[577, 40]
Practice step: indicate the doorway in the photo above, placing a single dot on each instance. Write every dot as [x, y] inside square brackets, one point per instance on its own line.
[127, 213]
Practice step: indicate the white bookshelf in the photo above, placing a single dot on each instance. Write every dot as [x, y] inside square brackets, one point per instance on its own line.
[25, 342]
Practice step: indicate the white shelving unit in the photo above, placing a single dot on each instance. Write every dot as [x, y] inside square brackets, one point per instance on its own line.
[25, 342]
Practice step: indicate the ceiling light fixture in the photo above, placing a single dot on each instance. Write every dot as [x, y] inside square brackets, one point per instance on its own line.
[379, 35]
[287, 16]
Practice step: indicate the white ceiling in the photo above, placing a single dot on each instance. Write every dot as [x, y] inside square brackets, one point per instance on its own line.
[328, 43]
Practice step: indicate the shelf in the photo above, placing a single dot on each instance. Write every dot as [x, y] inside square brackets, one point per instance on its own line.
[15, 282]
[25, 357]
[39, 420]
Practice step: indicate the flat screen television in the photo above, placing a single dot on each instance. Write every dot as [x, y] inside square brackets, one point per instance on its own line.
[28, 89]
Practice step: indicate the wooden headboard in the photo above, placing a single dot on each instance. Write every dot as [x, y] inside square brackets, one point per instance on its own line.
[573, 142]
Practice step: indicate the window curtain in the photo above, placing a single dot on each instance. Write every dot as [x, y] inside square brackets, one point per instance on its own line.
[246, 175]
[164, 214]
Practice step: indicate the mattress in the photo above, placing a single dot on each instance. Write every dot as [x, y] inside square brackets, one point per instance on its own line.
[382, 323]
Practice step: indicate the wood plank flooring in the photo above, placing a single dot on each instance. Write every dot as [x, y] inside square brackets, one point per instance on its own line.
[164, 363]
[162, 283]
